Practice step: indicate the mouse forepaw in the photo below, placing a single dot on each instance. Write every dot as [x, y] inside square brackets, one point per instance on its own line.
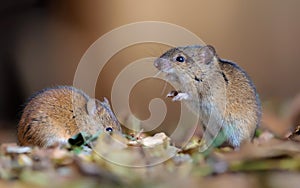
[181, 96]
[172, 94]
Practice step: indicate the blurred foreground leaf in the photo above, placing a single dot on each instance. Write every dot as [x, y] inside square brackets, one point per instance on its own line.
[141, 161]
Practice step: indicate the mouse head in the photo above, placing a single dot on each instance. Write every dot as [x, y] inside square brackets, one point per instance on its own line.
[102, 114]
[187, 64]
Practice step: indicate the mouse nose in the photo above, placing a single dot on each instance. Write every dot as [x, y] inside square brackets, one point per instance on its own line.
[156, 63]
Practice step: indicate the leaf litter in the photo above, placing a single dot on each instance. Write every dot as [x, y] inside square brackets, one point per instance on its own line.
[148, 161]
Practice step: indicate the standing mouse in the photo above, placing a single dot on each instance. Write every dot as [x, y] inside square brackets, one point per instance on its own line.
[218, 91]
[53, 115]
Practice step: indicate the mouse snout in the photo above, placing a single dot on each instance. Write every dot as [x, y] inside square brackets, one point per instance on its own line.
[162, 64]
[156, 63]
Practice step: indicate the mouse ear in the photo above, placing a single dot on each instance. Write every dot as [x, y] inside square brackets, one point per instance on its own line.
[207, 53]
[91, 107]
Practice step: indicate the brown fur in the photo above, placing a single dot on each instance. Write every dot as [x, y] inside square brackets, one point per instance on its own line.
[55, 114]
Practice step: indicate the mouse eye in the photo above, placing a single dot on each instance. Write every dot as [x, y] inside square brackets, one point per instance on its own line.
[109, 129]
[180, 59]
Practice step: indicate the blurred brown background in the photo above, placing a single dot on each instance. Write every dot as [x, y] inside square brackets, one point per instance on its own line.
[42, 42]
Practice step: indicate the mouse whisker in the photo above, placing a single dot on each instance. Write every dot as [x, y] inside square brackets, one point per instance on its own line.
[157, 74]
[164, 88]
